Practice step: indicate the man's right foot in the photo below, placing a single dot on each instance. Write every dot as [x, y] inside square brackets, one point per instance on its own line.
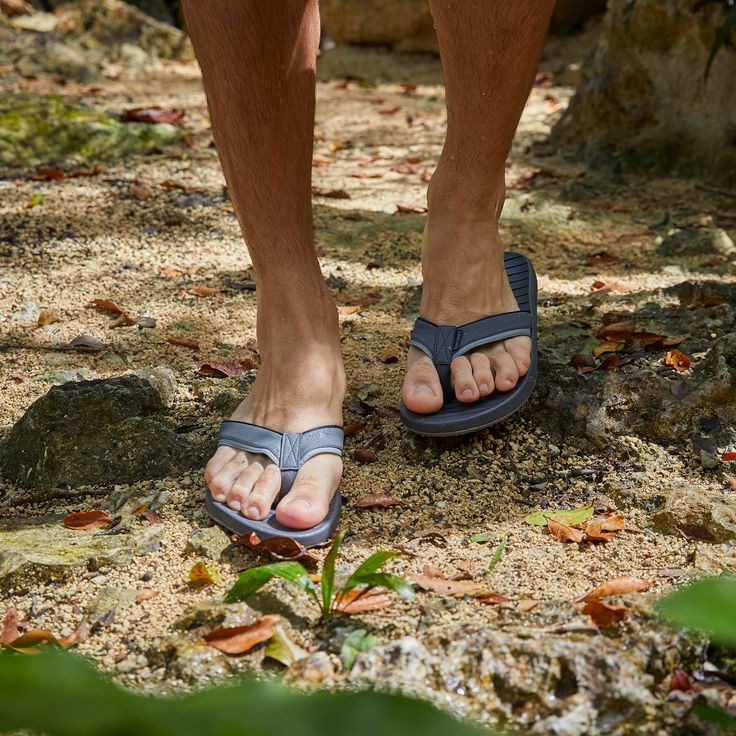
[300, 386]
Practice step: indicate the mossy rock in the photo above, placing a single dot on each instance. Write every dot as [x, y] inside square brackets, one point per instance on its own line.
[44, 129]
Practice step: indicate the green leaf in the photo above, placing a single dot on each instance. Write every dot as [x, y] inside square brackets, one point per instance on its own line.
[256, 577]
[374, 563]
[355, 642]
[724, 33]
[590, 343]
[708, 605]
[496, 556]
[714, 715]
[385, 580]
[283, 649]
[569, 517]
[328, 575]
[484, 537]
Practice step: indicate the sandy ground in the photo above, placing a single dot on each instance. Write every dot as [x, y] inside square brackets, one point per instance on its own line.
[92, 238]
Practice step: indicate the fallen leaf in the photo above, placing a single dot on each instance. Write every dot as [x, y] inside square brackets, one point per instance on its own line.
[34, 201]
[206, 291]
[602, 528]
[404, 210]
[444, 586]
[47, 317]
[108, 305]
[279, 548]
[615, 586]
[10, 626]
[730, 480]
[389, 356]
[527, 604]
[680, 680]
[366, 301]
[388, 110]
[122, 320]
[241, 639]
[388, 412]
[603, 615]
[153, 114]
[344, 310]
[225, 368]
[565, 533]
[29, 642]
[319, 160]
[50, 173]
[677, 360]
[281, 648]
[142, 194]
[607, 346]
[202, 575]
[570, 517]
[145, 594]
[602, 258]
[491, 598]
[358, 601]
[330, 193]
[380, 500]
[96, 519]
[182, 341]
[484, 537]
[610, 363]
[407, 168]
[730, 455]
[366, 175]
[364, 455]
[354, 428]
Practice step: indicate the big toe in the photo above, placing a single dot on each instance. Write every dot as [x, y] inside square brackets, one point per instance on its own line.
[307, 503]
[421, 391]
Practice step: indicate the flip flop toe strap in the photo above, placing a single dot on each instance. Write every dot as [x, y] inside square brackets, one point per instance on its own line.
[443, 343]
[289, 450]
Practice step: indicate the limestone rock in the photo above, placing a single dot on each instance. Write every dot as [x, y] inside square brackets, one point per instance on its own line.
[644, 104]
[38, 129]
[209, 542]
[697, 242]
[108, 601]
[115, 430]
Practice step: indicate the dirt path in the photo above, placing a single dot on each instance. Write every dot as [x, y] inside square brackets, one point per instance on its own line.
[130, 236]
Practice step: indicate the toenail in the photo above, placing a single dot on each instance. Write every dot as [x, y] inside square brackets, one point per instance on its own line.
[299, 504]
[467, 394]
[423, 388]
[483, 388]
[219, 497]
[253, 512]
[234, 505]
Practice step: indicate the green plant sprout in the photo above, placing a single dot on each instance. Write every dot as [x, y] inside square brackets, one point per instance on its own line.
[365, 577]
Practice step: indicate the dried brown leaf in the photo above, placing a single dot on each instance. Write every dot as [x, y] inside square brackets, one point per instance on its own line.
[142, 194]
[153, 114]
[565, 533]
[145, 594]
[345, 310]
[364, 455]
[677, 360]
[241, 639]
[48, 317]
[526, 604]
[95, 519]
[616, 586]
[381, 500]
[445, 587]
[10, 630]
[492, 598]
[602, 614]
[354, 428]
[358, 601]
[206, 290]
[182, 341]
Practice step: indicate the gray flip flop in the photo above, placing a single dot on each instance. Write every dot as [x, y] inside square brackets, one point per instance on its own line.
[289, 450]
[443, 343]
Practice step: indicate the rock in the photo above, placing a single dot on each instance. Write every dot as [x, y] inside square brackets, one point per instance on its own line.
[405, 26]
[115, 430]
[571, 14]
[38, 129]
[697, 242]
[209, 542]
[57, 57]
[44, 541]
[37, 22]
[644, 104]
[132, 663]
[696, 511]
[108, 601]
[314, 669]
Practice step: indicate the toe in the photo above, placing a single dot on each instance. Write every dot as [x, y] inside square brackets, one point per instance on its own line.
[308, 501]
[217, 462]
[265, 489]
[422, 391]
[482, 374]
[221, 482]
[519, 348]
[504, 370]
[242, 486]
[462, 378]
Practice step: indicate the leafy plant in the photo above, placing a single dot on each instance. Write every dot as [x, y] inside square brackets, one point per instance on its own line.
[364, 579]
[63, 695]
[355, 642]
[708, 605]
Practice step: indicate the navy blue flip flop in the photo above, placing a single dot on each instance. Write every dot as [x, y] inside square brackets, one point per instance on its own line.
[289, 450]
[443, 343]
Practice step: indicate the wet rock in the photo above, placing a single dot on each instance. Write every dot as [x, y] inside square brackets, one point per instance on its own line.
[644, 104]
[44, 541]
[115, 430]
[38, 129]
[698, 512]
[209, 542]
[697, 241]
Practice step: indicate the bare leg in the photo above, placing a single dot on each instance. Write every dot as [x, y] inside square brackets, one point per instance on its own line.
[258, 65]
[490, 51]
